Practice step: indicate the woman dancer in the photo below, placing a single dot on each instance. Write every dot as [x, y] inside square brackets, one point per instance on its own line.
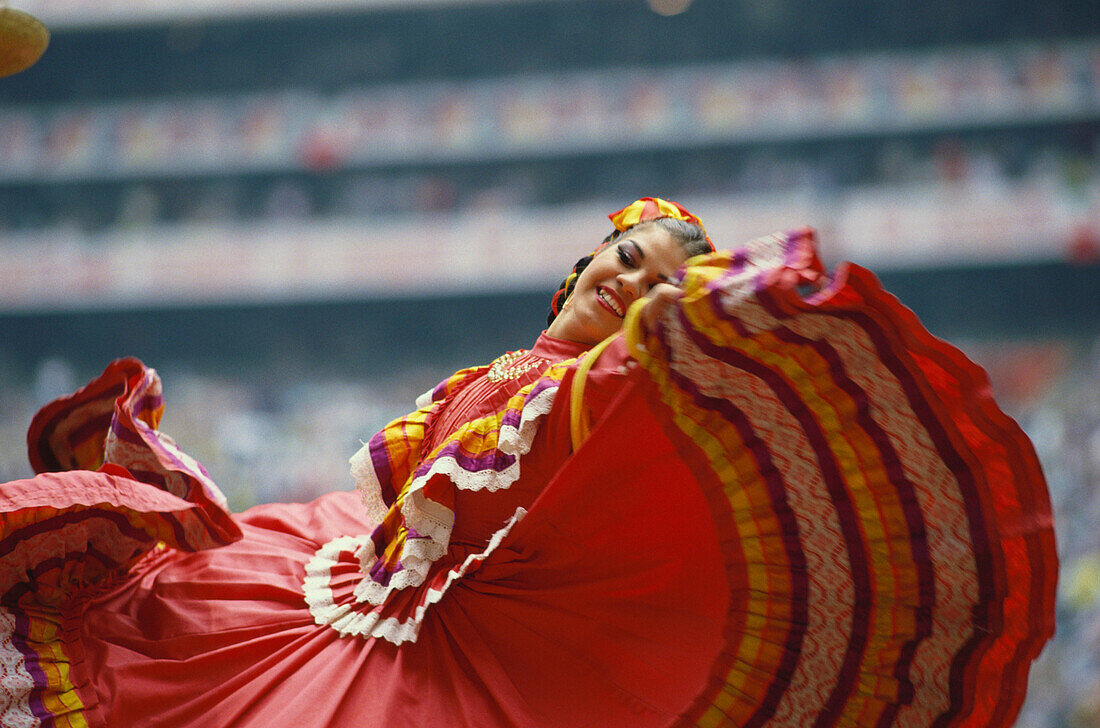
[700, 498]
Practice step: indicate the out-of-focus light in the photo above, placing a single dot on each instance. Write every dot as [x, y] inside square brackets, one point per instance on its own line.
[669, 7]
[23, 39]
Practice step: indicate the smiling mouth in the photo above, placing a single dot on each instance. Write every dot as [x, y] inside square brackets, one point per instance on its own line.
[610, 300]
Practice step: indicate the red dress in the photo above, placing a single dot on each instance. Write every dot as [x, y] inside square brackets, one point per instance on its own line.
[768, 508]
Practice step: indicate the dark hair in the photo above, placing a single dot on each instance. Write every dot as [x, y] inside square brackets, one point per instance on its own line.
[691, 237]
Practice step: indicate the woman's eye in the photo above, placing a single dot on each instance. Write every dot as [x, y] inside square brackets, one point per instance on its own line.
[624, 257]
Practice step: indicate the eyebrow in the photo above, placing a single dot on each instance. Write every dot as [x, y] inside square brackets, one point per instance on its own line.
[641, 254]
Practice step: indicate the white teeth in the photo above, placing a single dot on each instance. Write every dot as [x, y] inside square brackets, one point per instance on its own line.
[611, 302]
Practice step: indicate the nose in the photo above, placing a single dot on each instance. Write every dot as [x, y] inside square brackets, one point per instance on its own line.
[632, 284]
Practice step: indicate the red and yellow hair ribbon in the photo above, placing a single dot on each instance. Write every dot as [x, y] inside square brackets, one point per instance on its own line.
[647, 209]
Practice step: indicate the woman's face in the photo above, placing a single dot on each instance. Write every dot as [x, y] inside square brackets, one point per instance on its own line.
[620, 274]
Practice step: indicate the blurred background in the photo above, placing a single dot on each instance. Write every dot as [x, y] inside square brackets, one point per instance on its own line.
[305, 213]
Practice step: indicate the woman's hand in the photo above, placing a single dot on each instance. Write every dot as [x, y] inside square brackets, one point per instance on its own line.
[661, 296]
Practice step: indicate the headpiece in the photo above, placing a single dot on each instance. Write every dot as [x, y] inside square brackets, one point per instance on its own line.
[648, 209]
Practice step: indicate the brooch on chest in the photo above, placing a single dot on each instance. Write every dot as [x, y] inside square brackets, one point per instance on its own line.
[504, 367]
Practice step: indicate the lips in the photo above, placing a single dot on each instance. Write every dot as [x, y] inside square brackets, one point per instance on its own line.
[611, 301]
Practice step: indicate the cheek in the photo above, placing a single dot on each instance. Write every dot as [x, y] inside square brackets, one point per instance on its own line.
[588, 278]
[603, 267]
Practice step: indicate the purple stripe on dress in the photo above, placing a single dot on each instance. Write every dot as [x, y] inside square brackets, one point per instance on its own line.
[440, 390]
[379, 573]
[175, 465]
[211, 512]
[380, 461]
[34, 668]
[543, 384]
[981, 613]
[104, 559]
[850, 666]
[192, 484]
[953, 460]
[379, 540]
[849, 526]
[737, 267]
[32, 662]
[512, 418]
[118, 520]
[57, 562]
[148, 401]
[783, 513]
[150, 477]
[95, 426]
[43, 448]
[868, 288]
[494, 459]
[794, 248]
[903, 489]
[714, 302]
[126, 433]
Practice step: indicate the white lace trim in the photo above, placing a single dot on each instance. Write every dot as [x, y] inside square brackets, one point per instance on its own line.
[15, 682]
[426, 517]
[416, 561]
[366, 482]
[512, 440]
[425, 399]
[346, 620]
[432, 521]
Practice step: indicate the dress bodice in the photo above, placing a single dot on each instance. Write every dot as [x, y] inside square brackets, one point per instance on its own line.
[489, 393]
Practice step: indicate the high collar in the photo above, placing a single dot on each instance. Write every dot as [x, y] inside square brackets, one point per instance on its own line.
[555, 349]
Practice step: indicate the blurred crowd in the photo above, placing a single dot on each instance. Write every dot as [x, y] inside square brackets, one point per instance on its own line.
[1062, 418]
[264, 440]
[1008, 114]
[1065, 169]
